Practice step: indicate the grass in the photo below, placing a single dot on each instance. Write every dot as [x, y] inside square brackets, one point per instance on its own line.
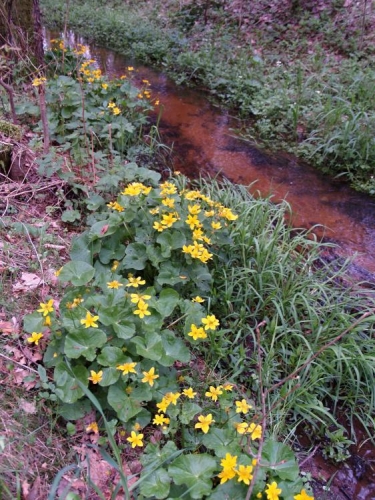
[318, 104]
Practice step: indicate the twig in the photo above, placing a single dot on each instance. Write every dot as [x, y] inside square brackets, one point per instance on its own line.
[17, 363]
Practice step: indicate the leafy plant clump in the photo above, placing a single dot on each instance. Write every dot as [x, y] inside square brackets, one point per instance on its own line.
[128, 334]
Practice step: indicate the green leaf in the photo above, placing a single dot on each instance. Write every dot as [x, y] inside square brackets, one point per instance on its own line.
[169, 274]
[70, 215]
[111, 356]
[156, 485]
[195, 471]
[188, 412]
[150, 346]
[94, 202]
[125, 406]
[83, 248]
[174, 349]
[33, 322]
[222, 441]
[170, 241]
[167, 301]
[112, 248]
[110, 377]
[84, 343]
[136, 256]
[281, 460]
[78, 272]
[67, 388]
[102, 229]
[232, 490]
[124, 330]
[74, 411]
[154, 455]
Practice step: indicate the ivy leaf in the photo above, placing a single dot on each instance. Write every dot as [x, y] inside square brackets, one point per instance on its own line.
[150, 346]
[167, 301]
[174, 349]
[195, 471]
[111, 356]
[77, 272]
[188, 412]
[156, 485]
[84, 343]
[136, 256]
[125, 406]
[67, 388]
[281, 459]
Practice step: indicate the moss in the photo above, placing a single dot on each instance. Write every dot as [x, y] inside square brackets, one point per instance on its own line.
[10, 130]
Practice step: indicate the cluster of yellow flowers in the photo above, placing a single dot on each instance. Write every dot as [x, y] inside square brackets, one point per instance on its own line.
[210, 322]
[39, 81]
[80, 49]
[59, 44]
[115, 109]
[229, 470]
[91, 75]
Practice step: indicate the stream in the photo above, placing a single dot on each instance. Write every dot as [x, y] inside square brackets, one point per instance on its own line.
[204, 143]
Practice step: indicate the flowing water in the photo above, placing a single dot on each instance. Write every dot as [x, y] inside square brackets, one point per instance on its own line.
[204, 142]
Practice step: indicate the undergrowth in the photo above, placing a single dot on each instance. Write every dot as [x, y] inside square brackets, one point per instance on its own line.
[318, 105]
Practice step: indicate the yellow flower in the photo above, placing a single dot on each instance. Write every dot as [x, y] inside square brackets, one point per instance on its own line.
[35, 337]
[197, 333]
[244, 474]
[135, 282]
[111, 105]
[214, 392]
[169, 219]
[163, 405]
[158, 226]
[57, 273]
[161, 419]
[215, 225]
[272, 491]
[130, 68]
[241, 427]
[194, 209]
[204, 423]
[154, 211]
[303, 496]
[142, 310]
[150, 376]
[93, 427]
[210, 322]
[227, 386]
[46, 307]
[135, 439]
[229, 462]
[192, 221]
[137, 426]
[157, 102]
[115, 265]
[259, 495]
[198, 299]
[116, 110]
[105, 86]
[96, 377]
[39, 81]
[127, 368]
[136, 297]
[114, 284]
[255, 431]
[225, 475]
[168, 202]
[47, 321]
[189, 393]
[90, 321]
[172, 397]
[242, 406]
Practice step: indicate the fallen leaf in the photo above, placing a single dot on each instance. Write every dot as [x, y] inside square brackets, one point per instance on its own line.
[28, 281]
[27, 407]
[6, 327]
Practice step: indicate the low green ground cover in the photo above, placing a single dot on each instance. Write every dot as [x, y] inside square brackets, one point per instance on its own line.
[196, 327]
[313, 98]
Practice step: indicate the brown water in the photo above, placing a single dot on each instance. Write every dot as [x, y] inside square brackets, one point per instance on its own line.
[204, 142]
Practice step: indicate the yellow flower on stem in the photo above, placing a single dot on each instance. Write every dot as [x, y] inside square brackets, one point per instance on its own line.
[204, 423]
[272, 491]
[135, 439]
[189, 393]
[229, 462]
[303, 496]
[197, 333]
[150, 376]
[172, 397]
[214, 392]
[242, 406]
[136, 297]
[255, 431]
[161, 419]
[93, 427]
[163, 405]
[241, 427]
[227, 386]
[90, 321]
[114, 284]
[115, 265]
[127, 368]
[39, 81]
[48, 321]
[135, 282]
[142, 310]
[35, 337]
[46, 307]
[210, 322]
[198, 299]
[244, 474]
[225, 475]
[96, 377]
